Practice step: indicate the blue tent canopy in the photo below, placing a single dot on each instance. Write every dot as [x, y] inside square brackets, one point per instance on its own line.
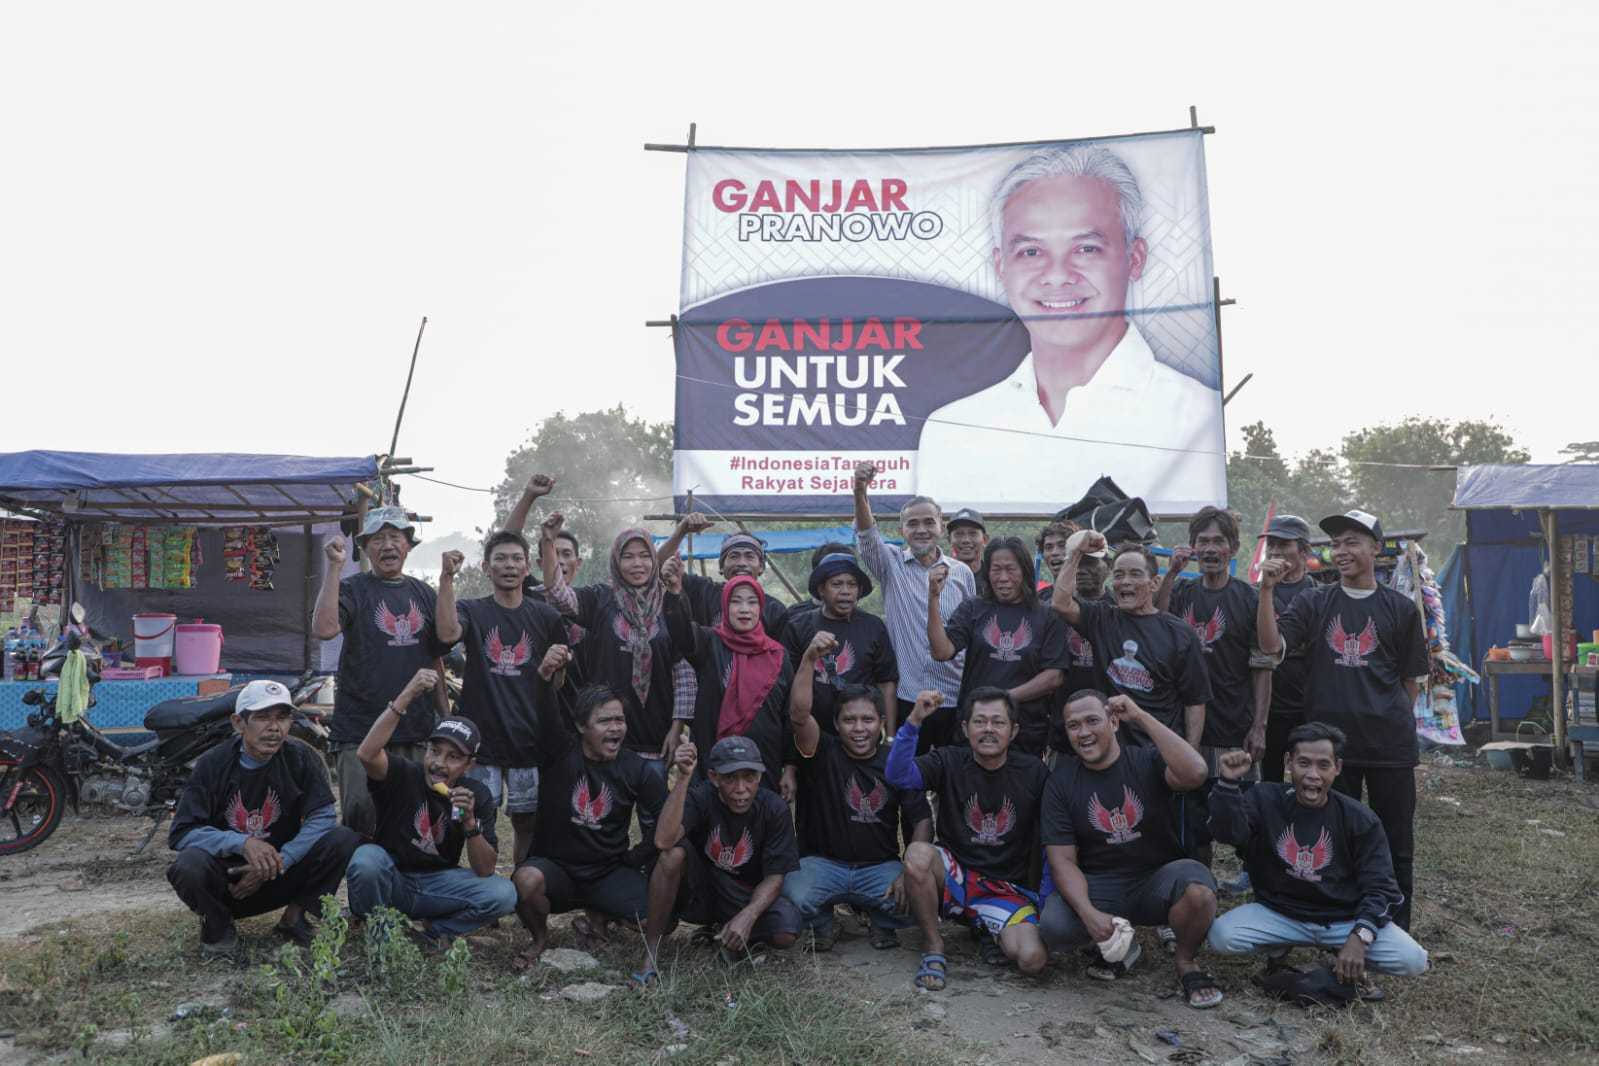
[194, 489]
[778, 541]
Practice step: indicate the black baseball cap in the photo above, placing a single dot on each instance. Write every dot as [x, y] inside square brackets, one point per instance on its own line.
[462, 732]
[968, 517]
[735, 753]
[1288, 527]
[1359, 521]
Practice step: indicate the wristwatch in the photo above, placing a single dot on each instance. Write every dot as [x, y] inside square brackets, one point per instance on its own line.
[475, 831]
[1366, 934]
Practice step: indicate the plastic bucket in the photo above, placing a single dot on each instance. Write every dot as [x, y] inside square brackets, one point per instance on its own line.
[198, 648]
[153, 637]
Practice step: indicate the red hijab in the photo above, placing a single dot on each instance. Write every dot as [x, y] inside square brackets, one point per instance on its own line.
[757, 664]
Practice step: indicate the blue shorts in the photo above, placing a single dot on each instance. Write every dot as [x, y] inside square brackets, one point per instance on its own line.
[516, 787]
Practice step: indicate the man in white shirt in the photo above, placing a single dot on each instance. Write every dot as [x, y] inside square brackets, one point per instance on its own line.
[1090, 398]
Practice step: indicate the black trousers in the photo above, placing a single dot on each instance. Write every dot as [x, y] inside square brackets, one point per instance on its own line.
[201, 882]
[1278, 725]
[1391, 795]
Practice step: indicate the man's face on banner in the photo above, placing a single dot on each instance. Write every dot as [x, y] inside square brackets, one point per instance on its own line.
[1063, 253]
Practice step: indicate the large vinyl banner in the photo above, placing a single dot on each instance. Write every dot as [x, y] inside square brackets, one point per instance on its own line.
[994, 327]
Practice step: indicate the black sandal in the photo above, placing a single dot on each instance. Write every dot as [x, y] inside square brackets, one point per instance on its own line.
[1197, 983]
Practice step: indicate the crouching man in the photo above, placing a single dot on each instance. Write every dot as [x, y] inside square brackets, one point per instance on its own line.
[1318, 861]
[255, 828]
[587, 797]
[426, 816]
[1111, 841]
[725, 845]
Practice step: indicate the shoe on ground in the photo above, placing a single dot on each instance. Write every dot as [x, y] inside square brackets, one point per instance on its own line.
[298, 932]
[224, 947]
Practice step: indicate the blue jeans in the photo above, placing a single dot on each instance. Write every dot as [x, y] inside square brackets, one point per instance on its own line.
[1256, 927]
[819, 883]
[455, 901]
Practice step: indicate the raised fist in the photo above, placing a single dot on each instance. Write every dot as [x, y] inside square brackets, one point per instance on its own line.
[672, 575]
[450, 563]
[1271, 572]
[822, 644]
[336, 550]
[1180, 556]
[687, 757]
[555, 660]
[926, 704]
[540, 485]
[1092, 541]
[865, 474]
[694, 522]
[935, 580]
[1235, 764]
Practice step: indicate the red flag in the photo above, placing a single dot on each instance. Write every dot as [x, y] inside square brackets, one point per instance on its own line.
[1260, 545]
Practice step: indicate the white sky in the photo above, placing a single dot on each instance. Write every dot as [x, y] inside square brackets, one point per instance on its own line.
[221, 224]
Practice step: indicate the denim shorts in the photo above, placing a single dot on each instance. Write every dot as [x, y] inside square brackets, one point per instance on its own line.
[516, 787]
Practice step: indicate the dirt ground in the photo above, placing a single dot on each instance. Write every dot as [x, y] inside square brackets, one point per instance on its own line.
[88, 866]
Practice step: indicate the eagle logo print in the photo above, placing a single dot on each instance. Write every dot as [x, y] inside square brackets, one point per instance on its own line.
[1128, 672]
[990, 828]
[405, 629]
[830, 669]
[256, 823]
[1208, 632]
[728, 859]
[1117, 823]
[1082, 651]
[1351, 651]
[429, 830]
[1305, 863]
[863, 806]
[590, 808]
[1007, 644]
[507, 661]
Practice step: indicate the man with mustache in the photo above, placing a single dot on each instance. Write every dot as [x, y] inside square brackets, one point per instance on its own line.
[860, 654]
[1287, 539]
[1090, 396]
[1318, 861]
[742, 555]
[387, 619]
[1366, 650]
[902, 574]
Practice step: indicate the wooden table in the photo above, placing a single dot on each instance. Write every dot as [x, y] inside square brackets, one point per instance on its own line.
[1493, 671]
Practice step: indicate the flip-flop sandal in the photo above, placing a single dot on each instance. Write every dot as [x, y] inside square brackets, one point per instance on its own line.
[884, 939]
[933, 973]
[642, 980]
[1198, 983]
[1100, 970]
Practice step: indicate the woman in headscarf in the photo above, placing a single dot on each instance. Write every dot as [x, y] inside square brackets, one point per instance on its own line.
[1010, 639]
[743, 674]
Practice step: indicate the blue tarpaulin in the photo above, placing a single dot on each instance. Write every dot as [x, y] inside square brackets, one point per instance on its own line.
[195, 489]
[778, 541]
[1486, 582]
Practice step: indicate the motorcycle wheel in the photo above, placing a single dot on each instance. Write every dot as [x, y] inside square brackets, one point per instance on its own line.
[40, 798]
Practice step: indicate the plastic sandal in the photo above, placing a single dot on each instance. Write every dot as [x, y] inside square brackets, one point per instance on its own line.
[642, 980]
[1195, 982]
[933, 973]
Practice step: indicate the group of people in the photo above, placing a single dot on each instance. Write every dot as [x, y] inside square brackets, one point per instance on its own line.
[1046, 761]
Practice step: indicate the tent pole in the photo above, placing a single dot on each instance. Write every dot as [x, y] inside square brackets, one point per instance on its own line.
[306, 596]
[1557, 640]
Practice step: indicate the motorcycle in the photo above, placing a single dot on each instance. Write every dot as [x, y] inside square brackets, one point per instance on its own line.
[51, 762]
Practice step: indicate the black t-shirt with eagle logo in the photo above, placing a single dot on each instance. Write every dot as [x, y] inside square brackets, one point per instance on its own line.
[268, 803]
[501, 690]
[1316, 864]
[1006, 645]
[1359, 653]
[601, 648]
[388, 636]
[739, 850]
[1118, 818]
[988, 819]
[864, 657]
[848, 812]
[1154, 659]
[1224, 621]
[417, 826]
[585, 808]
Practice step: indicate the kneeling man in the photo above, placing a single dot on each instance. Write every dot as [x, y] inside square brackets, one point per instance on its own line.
[1318, 861]
[255, 828]
[586, 799]
[980, 870]
[1111, 842]
[427, 815]
[726, 844]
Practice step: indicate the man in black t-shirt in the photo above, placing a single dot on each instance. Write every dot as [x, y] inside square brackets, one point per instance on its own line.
[589, 790]
[515, 648]
[1287, 539]
[1365, 651]
[254, 827]
[1319, 864]
[980, 871]
[861, 653]
[428, 814]
[726, 844]
[849, 816]
[387, 621]
[1111, 841]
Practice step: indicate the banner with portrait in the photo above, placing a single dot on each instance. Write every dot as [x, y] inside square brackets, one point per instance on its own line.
[995, 327]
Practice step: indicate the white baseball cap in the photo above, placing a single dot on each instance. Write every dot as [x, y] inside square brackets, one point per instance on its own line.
[259, 695]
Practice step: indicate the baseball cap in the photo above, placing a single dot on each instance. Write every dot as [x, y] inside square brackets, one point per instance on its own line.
[462, 732]
[1359, 521]
[396, 517]
[259, 695]
[1288, 527]
[741, 540]
[735, 753]
[968, 517]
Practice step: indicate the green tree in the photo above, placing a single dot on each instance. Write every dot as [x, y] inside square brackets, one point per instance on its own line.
[1581, 451]
[1258, 476]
